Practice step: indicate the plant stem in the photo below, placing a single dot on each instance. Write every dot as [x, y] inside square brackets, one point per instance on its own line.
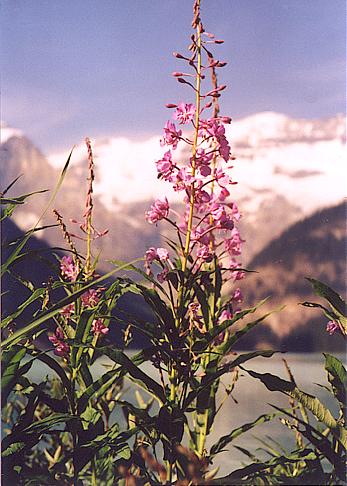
[194, 150]
[195, 143]
[94, 480]
[89, 208]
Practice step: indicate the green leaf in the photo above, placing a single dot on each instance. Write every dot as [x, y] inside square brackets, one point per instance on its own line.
[249, 471]
[12, 371]
[129, 367]
[116, 445]
[13, 449]
[44, 425]
[226, 439]
[274, 383]
[11, 259]
[55, 366]
[337, 377]
[210, 336]
[334, 299]
[221, 371]
[97, 389]
[55, 309]
[83, 328]
[336, 302]
[322, 443]
[37, 294]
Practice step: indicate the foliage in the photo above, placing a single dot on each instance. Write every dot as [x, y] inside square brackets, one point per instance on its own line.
[78, 425]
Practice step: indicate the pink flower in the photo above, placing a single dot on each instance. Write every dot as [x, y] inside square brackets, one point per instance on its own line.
[68, 310]
[224, 193]
[185, 113]
[90, 298]
[156, 254]
[221, 178]
[151, 255]
[225, 315]
[203, 237]
[213, 128]
[205, 253]
[182, 180]
[207, 128]
[233, 244]
[224, 148]
[201, 197]
[235, 211]
[221, 218]
[68, 268]
[158, 211]
[162, 276]
[202, 161]
[57, 339]
[332, 327]
[98, 327]
[162, 254]
[171, 135]
[237, 296]
[62, 350]
[234, 266]
[165, 166]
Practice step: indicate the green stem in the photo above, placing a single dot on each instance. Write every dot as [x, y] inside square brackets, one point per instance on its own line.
[194, 149]
[94, 479]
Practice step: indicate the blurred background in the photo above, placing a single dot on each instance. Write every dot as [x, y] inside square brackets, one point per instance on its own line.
[102, 69]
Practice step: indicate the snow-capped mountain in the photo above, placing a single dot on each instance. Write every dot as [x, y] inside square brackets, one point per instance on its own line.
[302, 160]
[286, 169]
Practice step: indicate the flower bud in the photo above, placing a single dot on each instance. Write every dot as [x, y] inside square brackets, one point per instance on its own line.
[178, 55]
[213, 63]
[171, 105]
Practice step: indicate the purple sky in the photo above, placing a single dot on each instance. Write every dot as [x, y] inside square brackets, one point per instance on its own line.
[102, 67]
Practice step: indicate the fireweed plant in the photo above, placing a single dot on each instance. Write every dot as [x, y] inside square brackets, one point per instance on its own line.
[51, 426]
[67, 428]
[69, 425]
[193, 337]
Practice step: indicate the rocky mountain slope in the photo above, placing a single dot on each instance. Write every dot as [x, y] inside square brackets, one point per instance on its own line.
[314, 247]
[129, 234]
[287, 169]
[126, 238]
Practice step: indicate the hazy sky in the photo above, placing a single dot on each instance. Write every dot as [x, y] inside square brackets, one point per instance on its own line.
[72, 68]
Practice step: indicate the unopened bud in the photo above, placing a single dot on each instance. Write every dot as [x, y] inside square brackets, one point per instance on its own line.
[177, 74]
[219, 41]
[226, 119]
[222, 64]
[171, 105]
